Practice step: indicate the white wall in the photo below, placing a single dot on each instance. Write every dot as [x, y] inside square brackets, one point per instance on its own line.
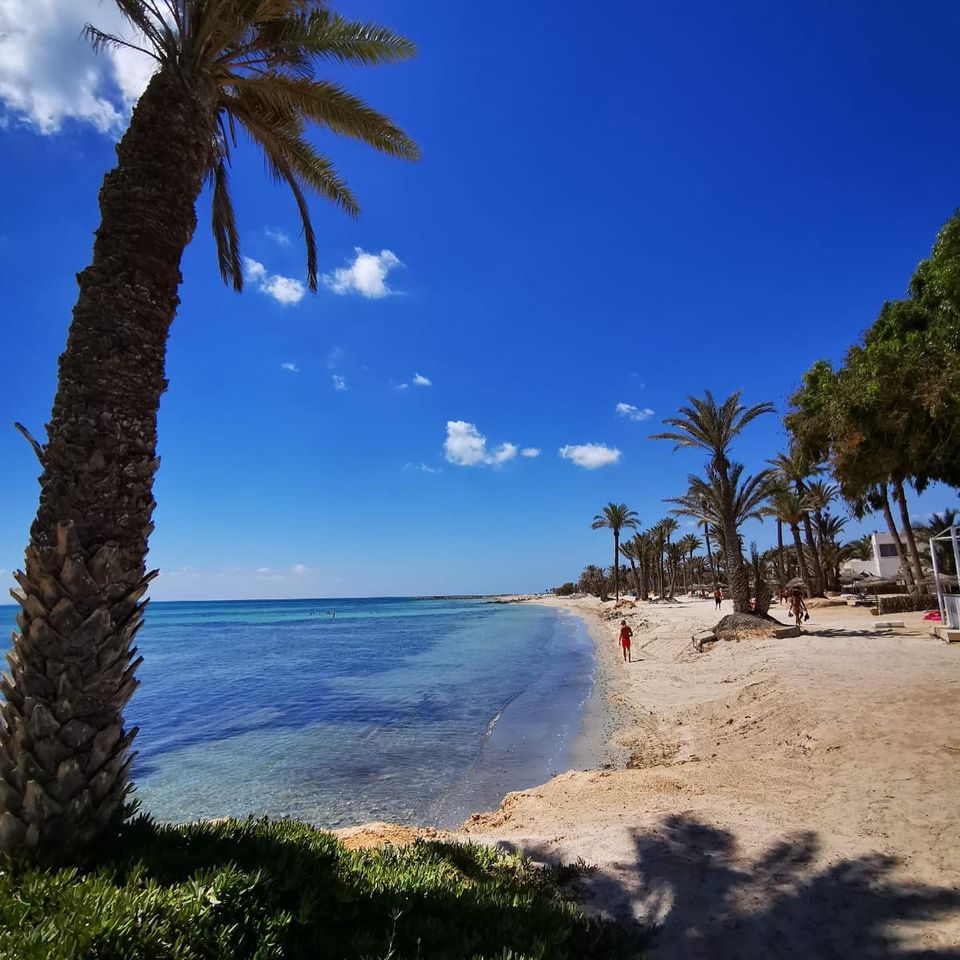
[888, 566]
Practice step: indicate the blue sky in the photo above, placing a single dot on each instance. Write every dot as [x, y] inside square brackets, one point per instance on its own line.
[620, 203]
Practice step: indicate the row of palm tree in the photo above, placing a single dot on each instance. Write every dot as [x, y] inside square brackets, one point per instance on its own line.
[790, 489]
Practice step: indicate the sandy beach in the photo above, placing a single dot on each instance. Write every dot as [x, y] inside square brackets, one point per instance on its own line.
[793, 797]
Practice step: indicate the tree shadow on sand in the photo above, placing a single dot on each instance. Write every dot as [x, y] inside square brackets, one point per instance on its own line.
[702, 897]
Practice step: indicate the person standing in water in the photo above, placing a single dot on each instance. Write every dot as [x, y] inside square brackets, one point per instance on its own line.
[625, 634]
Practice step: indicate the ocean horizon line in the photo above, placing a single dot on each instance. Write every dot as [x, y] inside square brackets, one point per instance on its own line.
[419, 596]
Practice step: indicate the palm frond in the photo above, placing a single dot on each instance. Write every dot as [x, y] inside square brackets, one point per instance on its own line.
[331, 106]
[225, 228]
[101, 41]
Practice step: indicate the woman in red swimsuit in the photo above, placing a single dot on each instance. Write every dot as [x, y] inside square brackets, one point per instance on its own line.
[625, 634]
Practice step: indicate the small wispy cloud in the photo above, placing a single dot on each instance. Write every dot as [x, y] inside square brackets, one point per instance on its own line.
[299, 570]
[289, 367]
[467, 447]
[590, 456]
[631, 412]
[530, 452]
[277, 236]
[421, 468]
[285, 290]
[366, 274]
[418, 380]
[339, 383]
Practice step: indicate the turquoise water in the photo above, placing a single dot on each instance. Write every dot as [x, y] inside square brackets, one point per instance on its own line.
[343, 711]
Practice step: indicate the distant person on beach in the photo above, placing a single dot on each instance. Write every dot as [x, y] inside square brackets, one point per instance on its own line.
[625, 634]
[717, 597]
[797, 607]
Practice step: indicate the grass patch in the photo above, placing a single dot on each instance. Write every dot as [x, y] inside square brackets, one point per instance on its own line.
[264, 889]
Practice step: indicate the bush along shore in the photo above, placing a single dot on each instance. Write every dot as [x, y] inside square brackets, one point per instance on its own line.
[263, 889]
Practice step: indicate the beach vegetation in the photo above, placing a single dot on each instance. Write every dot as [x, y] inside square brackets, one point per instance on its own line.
[712, 426]
[266, 890]
[226, 71]
[593, 580]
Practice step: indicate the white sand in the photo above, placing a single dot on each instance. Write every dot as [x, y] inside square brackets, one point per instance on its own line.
[795, 798]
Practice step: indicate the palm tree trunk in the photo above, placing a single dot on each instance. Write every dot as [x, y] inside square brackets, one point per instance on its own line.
[64, 757]
[897, 542]
[899, 494]
[801, 559]
[616, 563]
[706, 537]
[636, 578]
[736, 574]
[781, 559]
[818, 581]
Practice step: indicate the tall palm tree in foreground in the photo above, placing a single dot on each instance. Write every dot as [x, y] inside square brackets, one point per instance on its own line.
[713, 426]
[616, 516]
[225, 70]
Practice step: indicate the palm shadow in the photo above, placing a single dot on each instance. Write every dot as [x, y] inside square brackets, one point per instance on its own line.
[701, 897]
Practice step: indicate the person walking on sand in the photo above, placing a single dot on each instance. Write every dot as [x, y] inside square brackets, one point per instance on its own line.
[797, 607]
[717, 597]
[625, 634]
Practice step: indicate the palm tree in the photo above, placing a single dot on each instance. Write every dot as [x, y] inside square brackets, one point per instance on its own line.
[629, 551]
[669, 526]
[791, 508]
[616, 516]
[761, 589]
[795, 469]
[689, 543]
[593, 581]
[713, 426]
[939, 522]
[222, 66]
[643, 546]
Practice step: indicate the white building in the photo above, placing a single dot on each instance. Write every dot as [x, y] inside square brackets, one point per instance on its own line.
[884, 562]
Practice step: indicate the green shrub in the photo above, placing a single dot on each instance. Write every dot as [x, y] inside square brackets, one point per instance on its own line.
[263, 889]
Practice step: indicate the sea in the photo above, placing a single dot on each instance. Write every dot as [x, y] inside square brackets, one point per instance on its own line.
[338, 712]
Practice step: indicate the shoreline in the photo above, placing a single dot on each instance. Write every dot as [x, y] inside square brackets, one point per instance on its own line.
[765, 792]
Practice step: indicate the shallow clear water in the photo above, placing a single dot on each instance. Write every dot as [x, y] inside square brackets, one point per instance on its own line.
[342, 711]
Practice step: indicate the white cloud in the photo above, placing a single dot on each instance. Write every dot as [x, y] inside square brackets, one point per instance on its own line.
[421, 467]
[339, 383]
[299, 570]
[530, 452]
[263, 570]
[285, 290]
[590, 456]
[467, 447]
[290, 367]
[366, 275]
[277, 236]
[419, 380]
[631, 412]
[49, 73]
